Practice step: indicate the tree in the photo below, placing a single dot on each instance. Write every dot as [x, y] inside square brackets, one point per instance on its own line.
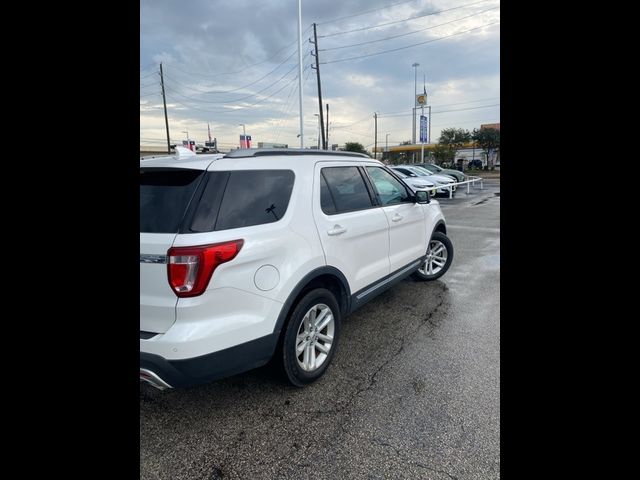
[355, 147]
[440, 153]
[454, 139]
[489, 140]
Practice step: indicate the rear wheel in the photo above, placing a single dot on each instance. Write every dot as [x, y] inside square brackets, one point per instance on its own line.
[438, 260]
[311, 337]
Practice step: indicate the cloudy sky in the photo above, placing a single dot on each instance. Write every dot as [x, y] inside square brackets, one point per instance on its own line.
[229, 62]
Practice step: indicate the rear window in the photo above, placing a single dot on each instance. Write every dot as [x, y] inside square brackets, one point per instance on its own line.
[255, 197]
[164, 197]
[242, 198]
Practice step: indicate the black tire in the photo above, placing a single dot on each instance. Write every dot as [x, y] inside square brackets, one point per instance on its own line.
[292, 368]
[422, 274]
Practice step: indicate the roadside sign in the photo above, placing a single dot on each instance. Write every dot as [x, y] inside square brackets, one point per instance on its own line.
[423, 129]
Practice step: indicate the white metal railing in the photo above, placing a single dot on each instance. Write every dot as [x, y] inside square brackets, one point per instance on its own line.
[467, 182]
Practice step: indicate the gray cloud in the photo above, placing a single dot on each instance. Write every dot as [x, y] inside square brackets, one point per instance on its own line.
[201, 41]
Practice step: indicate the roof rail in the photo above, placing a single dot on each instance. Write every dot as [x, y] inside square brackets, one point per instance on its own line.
[264, 152]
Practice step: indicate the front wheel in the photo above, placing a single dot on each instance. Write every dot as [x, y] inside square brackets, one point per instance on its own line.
[311, 337]
[438, 260]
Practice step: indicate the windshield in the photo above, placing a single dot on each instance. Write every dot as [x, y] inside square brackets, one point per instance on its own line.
[399, 173]
[421, 171]
[435, 167]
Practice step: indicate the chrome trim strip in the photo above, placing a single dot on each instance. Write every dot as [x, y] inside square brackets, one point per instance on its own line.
[154, 379]
[147, 258]
[384, 282]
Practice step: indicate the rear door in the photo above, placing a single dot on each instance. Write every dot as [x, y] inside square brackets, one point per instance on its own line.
[165, 195]
[353, 230]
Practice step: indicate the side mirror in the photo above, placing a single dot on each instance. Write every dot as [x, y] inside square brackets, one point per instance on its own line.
[422, 197]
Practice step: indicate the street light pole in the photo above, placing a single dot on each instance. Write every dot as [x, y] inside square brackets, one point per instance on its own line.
[386, 144]
[318, 115]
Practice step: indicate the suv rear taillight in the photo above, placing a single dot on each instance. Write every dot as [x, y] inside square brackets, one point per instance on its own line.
[190, 268]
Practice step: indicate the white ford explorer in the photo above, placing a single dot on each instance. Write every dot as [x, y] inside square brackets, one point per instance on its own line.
[262, 252]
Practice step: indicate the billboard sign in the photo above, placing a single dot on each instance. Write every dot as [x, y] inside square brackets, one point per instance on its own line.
[423, 129]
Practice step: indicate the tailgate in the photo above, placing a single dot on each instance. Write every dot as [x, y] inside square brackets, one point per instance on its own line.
[157, 300]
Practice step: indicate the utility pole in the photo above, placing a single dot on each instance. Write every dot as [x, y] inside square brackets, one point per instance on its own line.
[317, 67]
[386, 146]
[375, 148]
[327, 127]
[429, 139]
[300, 71]
[164, 101]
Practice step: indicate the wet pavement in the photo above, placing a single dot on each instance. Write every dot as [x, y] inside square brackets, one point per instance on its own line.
[413, 391]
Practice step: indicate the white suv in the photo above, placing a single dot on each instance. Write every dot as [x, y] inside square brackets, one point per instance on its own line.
[262, 252]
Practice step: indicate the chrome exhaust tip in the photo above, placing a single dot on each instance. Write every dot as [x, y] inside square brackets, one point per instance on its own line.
[153, 379]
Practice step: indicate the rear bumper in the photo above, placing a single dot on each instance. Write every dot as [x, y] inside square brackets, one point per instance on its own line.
[163, 373]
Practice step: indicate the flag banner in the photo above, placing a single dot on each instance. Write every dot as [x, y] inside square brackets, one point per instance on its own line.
[245, 141]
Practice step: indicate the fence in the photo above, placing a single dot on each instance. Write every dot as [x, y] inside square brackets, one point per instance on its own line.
[467, 182]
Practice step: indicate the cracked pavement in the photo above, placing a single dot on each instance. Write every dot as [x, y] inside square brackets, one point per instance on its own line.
[413, 392]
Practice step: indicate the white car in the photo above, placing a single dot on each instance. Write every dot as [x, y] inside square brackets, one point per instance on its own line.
[417, 172]
[417, 183]
[260, 253]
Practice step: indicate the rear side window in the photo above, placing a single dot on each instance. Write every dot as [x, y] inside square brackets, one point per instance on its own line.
[345, 192]
[165, 195]
[254, 197]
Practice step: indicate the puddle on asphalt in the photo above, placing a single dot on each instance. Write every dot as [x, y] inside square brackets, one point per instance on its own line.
[491, 261]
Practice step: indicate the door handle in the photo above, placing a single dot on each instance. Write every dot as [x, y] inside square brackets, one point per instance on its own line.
[336, 230]
[397, 217]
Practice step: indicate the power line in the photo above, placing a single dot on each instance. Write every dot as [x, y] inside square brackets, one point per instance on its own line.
[239, 88]
[365, 12]
[387, 114]
[408, 33]
[440, 111]
[239, 98]
[403, 20]
[413, 45]
[148, 75]
[290, 101]
[238, 107]
[244, 68]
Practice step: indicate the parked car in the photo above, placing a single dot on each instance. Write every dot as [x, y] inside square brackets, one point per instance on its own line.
[417, 183]
[261, 253]
[474, 164]
[433, 168]
[441, 181]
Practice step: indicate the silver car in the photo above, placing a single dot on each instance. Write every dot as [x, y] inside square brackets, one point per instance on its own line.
[422, 174]
[417, 183]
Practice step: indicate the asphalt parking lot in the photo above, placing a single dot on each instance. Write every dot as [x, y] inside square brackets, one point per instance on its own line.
[413, 392]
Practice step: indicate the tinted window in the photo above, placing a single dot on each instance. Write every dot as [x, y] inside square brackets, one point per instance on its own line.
[389, 189]
[164, 197]
[254, 197]
[347, 189]
[206, 214]
[326, 201]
